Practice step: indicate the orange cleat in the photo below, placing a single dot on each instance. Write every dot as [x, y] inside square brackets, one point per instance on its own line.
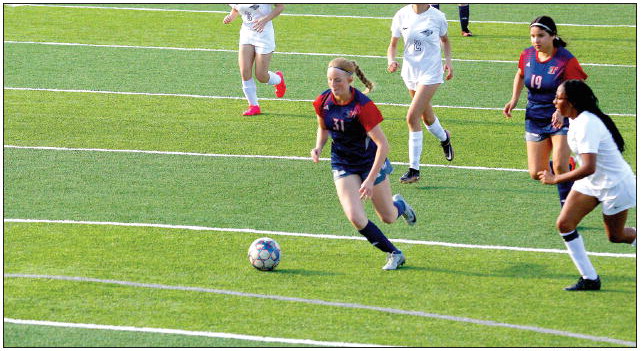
[466, 34]
[281, 88]
[253, 110]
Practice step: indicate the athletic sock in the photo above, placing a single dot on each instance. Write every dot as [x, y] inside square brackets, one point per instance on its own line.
[415, 148]
[564, 189]
[400, 206]
[377, 238]
[249, 88]
[464, 17]
[576, 248]
[437, 130]
[274, 78]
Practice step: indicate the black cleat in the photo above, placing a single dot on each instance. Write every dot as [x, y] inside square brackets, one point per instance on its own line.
[585, 284]
[412, 176]
[447, 147]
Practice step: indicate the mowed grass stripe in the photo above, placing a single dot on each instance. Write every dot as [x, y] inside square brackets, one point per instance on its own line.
[275, 52]
[262, 339]
[105, 7]
[458, 319]
[222, 192]
[306, 235]
[445, 281]
[205, 73]
[206, 30]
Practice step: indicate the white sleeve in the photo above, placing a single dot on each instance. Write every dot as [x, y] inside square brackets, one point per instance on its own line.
[443, 26]
[396, 26]
[587, 137]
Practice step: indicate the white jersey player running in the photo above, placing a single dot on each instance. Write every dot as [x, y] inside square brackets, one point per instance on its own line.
[256, 45]
[424, 31]
[602, 178]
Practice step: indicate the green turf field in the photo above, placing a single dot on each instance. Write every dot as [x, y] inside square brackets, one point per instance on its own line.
[133, 187]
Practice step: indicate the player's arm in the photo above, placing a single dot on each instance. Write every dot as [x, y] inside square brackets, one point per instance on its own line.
[322, 134]
[447, 51]
[517, 86]
[231, 16]
[378, 137]
[588, 167]
[392, 65]
[260, 23]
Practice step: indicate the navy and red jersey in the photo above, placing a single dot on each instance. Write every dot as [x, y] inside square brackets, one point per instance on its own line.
[348, 126]
[542, 79]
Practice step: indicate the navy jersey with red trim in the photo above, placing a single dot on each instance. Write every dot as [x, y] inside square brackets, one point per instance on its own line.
[542, 79]
[348, 126]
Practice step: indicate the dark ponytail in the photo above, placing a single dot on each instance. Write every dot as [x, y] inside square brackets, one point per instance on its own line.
[580, 95]
[547, 24]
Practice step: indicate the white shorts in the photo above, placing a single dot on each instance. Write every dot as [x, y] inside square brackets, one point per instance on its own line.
[614, 200]
[264, 42]
[428, 76]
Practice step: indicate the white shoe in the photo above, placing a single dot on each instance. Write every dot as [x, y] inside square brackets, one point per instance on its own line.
[394, 260]
[409, 214]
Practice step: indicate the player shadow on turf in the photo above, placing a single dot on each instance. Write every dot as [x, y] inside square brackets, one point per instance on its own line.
[526, 271]
[303, 272]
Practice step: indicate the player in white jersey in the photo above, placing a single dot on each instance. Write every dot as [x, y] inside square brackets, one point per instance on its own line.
[603, 177]
[424, 30]
[256, 45]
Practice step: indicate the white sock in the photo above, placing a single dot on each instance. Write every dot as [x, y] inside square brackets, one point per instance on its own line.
[273, 78]
[415, 148]
[249, 88]
[579, 256]
[437, 130]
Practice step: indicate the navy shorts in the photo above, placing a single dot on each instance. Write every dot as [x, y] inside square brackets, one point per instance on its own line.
[340, 171]
[539, 130]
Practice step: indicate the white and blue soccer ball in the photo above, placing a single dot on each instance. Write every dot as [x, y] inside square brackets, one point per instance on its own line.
[264, 254]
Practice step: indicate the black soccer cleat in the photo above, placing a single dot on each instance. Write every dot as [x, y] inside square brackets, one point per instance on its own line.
[447, 147]
[412, 176]
[585, 284]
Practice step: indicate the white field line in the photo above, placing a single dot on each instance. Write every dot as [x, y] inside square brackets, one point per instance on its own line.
[304, 15]
[262, 99]
[188, 333]
[277, 52]
[458, 319]
[308, 235]
[179, 153]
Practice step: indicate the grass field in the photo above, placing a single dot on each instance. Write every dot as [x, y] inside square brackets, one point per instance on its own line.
[133, 187]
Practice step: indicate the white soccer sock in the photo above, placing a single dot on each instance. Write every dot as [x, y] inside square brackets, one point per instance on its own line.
[437, 130]
[415, 144]
[249, 88]
[579, 256]
[273, 78]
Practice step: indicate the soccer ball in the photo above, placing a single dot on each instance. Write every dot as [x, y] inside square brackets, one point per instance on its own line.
[264, 254]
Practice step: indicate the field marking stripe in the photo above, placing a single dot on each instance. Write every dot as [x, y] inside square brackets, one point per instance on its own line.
[188, 333]
[308, 235]
[301, 15]
[85, 91]
[297, 158]
[482, 322]
[276, 52]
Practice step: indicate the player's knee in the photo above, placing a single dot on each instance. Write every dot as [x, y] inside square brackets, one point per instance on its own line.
[262, 77]
[388, 218]
[534, 174]
[358, 222]
[564, 226]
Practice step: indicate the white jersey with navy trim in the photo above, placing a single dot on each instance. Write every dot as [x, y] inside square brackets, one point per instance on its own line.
[422, 41]
[588, 135]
